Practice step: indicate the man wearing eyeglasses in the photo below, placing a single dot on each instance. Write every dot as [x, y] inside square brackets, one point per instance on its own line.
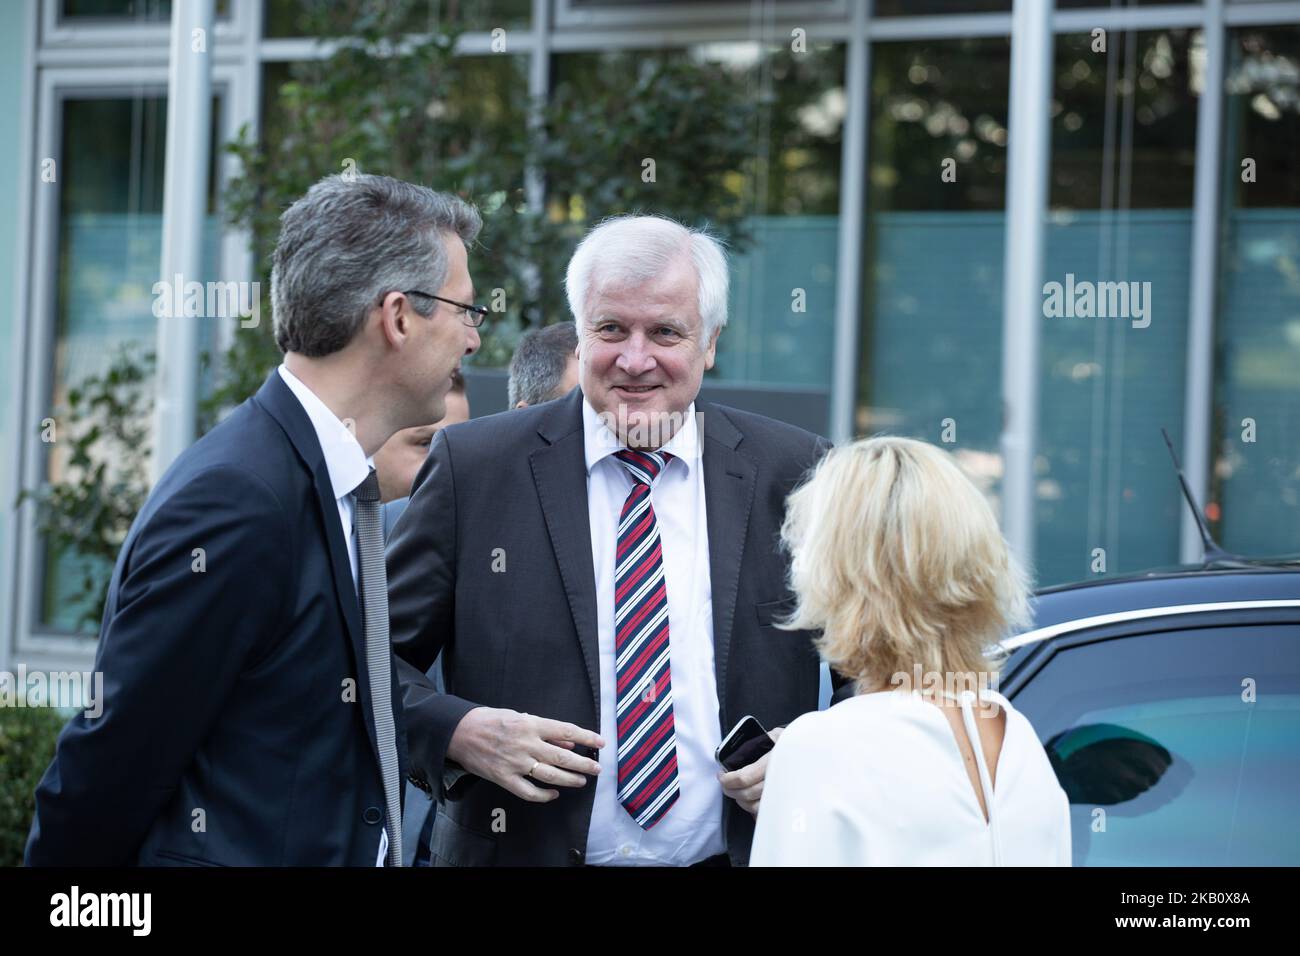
[251, 709]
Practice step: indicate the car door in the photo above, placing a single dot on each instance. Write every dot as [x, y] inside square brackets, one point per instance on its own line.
[1177, 744]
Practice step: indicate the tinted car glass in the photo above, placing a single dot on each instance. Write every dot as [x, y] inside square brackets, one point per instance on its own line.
[1178, 748]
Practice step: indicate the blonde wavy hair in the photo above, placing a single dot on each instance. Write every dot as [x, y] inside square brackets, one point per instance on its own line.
[897, 558]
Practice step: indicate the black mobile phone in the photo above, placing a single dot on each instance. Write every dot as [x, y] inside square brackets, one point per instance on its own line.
[747, 742]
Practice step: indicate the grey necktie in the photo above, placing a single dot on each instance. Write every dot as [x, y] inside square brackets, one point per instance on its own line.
[369, 523]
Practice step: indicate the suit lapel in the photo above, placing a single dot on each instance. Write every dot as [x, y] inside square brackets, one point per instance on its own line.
[729, 495]
[560, 473]
[729, 479]
[285, 408]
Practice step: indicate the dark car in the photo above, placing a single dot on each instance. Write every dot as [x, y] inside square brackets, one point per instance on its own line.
[1169, 705]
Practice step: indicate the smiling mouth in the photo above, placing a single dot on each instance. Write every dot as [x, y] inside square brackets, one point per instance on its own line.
[636, 389]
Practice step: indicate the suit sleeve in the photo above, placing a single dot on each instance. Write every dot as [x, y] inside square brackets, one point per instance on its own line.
[177, 633]
[421, 561]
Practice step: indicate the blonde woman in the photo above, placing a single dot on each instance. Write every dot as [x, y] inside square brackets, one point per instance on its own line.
[897, 558]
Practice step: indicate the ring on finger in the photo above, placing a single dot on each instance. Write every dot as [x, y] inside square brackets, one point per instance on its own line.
[535, 765]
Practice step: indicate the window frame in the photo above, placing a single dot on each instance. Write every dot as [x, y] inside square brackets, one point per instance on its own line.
[35, 641]
[59, 32]
[1136, 623]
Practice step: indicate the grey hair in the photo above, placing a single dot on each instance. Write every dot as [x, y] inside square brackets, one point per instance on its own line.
[346, 243]
[632, 249]
[538, 365]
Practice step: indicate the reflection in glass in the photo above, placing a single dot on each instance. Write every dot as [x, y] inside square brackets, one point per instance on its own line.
[1254, 503]
[931, 340]
[1167, 760]
[117, 11]
[1114, 344]
[911, 8]
[110, 176]
[287, 18]
[1115, 4]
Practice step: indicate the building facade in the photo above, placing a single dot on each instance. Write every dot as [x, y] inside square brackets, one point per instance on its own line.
[887, 208]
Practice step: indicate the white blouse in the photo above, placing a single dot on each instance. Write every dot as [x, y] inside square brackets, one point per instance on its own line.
[879, 780]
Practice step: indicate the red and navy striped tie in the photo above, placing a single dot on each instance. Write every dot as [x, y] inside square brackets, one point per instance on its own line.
[647, 741]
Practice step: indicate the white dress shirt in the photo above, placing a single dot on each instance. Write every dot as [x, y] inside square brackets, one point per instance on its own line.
[691, 830]
[348, 466]
[879, 780]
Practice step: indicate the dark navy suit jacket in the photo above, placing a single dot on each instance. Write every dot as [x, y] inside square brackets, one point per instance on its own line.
[237, 726]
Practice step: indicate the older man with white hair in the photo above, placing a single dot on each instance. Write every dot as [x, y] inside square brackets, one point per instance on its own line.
[602, 575]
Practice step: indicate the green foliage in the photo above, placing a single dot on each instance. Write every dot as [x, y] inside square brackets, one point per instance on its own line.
[101, 447]
[409, 107]
[27, 738]
[612, 115]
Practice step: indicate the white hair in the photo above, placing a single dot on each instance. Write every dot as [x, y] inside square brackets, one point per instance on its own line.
[629, 250]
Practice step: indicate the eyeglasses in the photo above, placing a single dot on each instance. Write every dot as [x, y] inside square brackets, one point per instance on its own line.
[472, 315]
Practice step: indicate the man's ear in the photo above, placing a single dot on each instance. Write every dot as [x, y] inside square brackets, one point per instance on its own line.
[711, 352]
[521, 404]
[394, 319]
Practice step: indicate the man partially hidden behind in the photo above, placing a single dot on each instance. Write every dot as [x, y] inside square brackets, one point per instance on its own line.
[544, 366]
[603, 574]
[251, 710]
[398, 462]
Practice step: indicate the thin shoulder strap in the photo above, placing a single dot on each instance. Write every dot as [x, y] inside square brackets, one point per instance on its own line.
[986, 781]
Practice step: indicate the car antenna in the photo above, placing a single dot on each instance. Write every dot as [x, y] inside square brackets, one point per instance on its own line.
[1211, 553]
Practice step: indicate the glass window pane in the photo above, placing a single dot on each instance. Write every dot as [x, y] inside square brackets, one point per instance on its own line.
[766, 175]
[1153, 732]
[1114, 332]
[147, 11]
[482, 104]
[1255, 498]
[110, 173]
[931, 353]
[912, 8]
[295, 18]
[1115, 4]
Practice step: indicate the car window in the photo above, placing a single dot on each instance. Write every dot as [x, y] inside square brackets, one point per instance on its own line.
[1178, 748]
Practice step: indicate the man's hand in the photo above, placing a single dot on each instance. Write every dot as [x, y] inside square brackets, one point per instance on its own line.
[745, 785]
[513, 750]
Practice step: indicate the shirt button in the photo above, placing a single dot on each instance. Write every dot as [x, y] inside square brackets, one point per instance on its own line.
[575, 855]
[626, 850]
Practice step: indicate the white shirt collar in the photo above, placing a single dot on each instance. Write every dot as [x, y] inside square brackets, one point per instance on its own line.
[345, 460]
[599, 442]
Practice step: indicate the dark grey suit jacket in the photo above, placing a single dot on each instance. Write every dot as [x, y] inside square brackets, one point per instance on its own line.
[491, 565]
[418, 805]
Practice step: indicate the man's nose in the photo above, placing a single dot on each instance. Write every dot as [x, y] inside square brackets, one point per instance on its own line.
[635, 359]
[472, 341]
